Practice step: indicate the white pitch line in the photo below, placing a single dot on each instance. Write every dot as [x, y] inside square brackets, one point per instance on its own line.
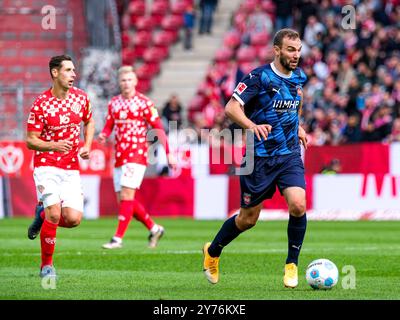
[121, 252]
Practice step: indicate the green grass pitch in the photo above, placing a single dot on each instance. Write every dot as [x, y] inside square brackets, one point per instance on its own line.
[251, 267]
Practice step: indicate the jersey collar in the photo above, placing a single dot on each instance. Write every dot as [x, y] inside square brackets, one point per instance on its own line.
[274, 69]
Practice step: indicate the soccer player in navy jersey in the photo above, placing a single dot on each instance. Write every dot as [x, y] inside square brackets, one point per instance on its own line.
[267, 103]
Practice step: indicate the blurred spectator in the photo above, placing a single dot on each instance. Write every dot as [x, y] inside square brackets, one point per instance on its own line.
[189, 18]
[233, 74]
[305, 9]
[395, 132]
[172, 111]
[284, 14]
[333, 167]
[353, 88]
[213, 111]
[382, 121]
[312, 29]
[352, 130]
[257, 22]
[207, 8]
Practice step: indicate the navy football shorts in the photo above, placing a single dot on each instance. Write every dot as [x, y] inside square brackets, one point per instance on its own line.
[271, 172]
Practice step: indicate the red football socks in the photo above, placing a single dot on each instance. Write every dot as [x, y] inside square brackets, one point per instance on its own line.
[48, 241]
[141, 215]
[124, 217]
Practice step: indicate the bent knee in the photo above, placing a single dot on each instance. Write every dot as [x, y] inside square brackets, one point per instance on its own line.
[247, 221]
[248, 224]
[297, 209]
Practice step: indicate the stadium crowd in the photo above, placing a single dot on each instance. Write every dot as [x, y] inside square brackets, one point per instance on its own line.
[353, 67]
[353, 88]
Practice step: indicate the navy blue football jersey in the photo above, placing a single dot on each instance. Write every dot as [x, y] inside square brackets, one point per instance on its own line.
[270, 97]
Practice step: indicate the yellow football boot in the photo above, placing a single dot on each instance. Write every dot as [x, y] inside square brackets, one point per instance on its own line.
[290, 279]
[210, 265]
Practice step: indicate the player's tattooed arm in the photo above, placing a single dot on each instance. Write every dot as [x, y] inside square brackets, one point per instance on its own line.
[34, 142]
[234, 111]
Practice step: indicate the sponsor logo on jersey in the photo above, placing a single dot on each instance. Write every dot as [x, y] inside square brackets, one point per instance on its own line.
[286, 104]
[240, 87]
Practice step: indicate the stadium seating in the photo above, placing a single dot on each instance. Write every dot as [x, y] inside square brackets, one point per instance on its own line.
[159, 10]
[25, 48]
[141, 41]
[246, 54]
[240, 49]
[258, 40]
[136, 10]
[232, 39]
[155, 27]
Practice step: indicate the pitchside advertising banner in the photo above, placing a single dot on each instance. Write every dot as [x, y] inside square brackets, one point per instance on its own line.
[203, 186]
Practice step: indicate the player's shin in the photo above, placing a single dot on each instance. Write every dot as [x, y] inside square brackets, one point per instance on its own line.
[225, 235]
[141, 215]
[48, 241]
[124, 217]
[295, 231]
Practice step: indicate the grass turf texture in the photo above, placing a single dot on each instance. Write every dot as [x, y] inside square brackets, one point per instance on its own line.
[251, 267]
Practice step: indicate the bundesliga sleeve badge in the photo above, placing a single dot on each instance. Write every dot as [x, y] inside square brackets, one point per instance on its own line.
[240, 87]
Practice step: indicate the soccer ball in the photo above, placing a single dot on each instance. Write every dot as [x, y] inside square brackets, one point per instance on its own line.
[322, 274]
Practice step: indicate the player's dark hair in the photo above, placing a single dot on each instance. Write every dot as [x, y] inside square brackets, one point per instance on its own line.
[283, 33]
[56, 61]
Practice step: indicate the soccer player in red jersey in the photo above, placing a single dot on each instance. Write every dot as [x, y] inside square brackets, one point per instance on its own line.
[130, 113]
[53, 131]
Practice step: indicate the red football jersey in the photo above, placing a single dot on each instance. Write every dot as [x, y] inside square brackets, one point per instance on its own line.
[131, 118]
[59, 120]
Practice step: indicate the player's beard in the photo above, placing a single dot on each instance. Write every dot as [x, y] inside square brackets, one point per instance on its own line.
[65, 85]
[285, 62]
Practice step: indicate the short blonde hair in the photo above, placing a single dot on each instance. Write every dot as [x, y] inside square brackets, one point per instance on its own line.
[126, 69]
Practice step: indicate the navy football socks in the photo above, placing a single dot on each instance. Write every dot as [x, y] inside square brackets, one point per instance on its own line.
[225, 235]
[295, 231]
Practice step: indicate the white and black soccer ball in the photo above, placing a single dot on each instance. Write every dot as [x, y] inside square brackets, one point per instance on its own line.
[322, 274]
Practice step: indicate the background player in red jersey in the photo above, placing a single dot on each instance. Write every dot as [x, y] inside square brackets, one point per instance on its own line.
[130, 113]
[53, 131]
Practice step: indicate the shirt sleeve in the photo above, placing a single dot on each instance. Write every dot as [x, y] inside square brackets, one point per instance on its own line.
[247, 88]
[109, 125]
[35, 119]
[151, 116]
[153, 119]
